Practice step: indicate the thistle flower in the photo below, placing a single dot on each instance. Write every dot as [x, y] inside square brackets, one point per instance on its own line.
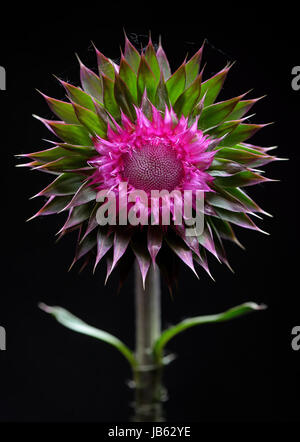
[138, 123]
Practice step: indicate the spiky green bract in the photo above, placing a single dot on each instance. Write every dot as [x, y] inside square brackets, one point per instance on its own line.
[140, 81]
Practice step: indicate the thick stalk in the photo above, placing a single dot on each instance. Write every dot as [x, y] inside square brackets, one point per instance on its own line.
[148, 387]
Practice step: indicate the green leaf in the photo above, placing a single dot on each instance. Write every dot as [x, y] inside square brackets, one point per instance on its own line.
[213, 86]
[161, 96]
[206, 240]
[187, 100]
[86, 151]
[54, 205]
[151, 59]
[77, 215]
[242, 108]
[64, 164]
[146, 106]
[85, 246]
[63, 110]
[240, 219]
[70, 133]
[176, 84]
[109, 100]
[92, 220]
[72, 322]
[102, 115]
[105, 65]
[192, 67]
[90, 120]
[129, 77]
[173, 331]
[243, 155]
[225, 230]
[146, 80]
[216, 113]
[64, 184]
[48, 155]
[241, 133]
[240, 179]
[223, 167]
[59, 151]
[244, 199]
[83, 195]
[163, 62]
[224, 200]
[220, 250]
[132, 56]
[233, 199]
[223, 129]
[78, 96]
[91, 83]
[124, 97]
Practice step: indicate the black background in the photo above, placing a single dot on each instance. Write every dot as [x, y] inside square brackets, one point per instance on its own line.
[244, 370]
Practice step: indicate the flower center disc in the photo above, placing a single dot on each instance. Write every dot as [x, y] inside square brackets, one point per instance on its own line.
[153, 168]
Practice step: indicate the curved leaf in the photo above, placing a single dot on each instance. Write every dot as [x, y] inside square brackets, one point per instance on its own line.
[224, 129]
[63, 110]
[109, 97]
[216, 113]
[244, 155]
[244, 199]
[176, 84]
[238, 218]
[131, 55]
[47, 155]
[171, 332]
[77, 215]
[163, 62]
[129, 77]
[91, 83]
[105, 65]
[123, 97]
[64, 184]
[161, 96]
[213, 86]
[241, 133]
[70, 133]
[242, 108]
[146, 80]
[84, 194]
[90, 120]
[187, 100]
[63, 164]
[151, 59]
[241, 179]
[54, 205]
[73, 323]
[192, 67]
[225, 230]
[78, 95]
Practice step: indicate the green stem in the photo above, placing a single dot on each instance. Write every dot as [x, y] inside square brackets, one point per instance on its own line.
[148, 374]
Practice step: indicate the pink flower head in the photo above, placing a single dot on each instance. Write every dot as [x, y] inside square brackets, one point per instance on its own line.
[162, 153]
